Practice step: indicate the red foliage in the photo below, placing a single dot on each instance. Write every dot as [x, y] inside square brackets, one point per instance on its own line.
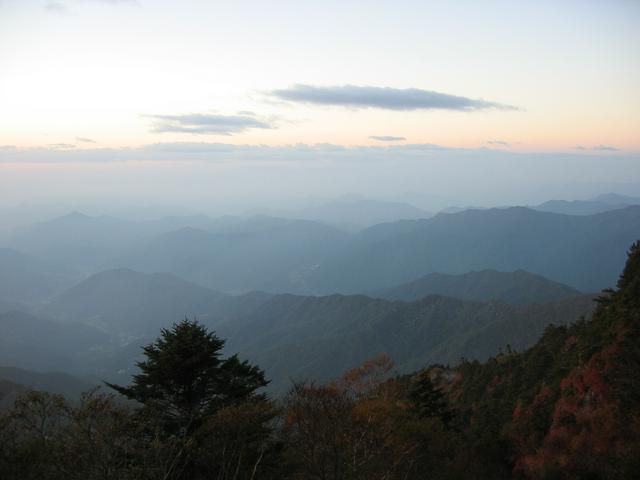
[585, 425]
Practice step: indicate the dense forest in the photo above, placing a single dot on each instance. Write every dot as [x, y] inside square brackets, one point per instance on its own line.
[569, 407]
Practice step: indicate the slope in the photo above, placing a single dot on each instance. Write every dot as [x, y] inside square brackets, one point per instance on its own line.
[517, 288]
[566, 408]
[319, 337]
[124, 301]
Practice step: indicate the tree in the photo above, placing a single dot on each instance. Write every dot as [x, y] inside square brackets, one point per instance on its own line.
[184, 379]
[429, 401]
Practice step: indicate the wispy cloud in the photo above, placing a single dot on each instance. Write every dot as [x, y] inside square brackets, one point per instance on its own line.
[56, 7]
[353, 96]
[498, 143]
[115, 1]
[598, 148]
[61, 146]
[221, 152]
[205, 123]
[386, 138]
[62, 7]
[218, 152]
[84, 140]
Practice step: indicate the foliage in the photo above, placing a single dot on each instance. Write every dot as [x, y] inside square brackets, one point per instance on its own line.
[568, 408]
[184, 380]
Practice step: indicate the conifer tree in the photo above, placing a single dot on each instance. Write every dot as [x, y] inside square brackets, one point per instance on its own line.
[184, 379]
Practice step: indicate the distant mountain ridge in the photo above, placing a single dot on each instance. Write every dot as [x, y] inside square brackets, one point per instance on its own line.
[517, 288]
[355, 213]
[584, 252]
[599, 204]
[262, 253]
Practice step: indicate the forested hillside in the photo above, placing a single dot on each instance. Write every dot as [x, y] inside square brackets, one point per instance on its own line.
[570, 406]
[326, 335]
[567, 408]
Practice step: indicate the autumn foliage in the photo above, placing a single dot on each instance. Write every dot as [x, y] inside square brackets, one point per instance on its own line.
[568, 408]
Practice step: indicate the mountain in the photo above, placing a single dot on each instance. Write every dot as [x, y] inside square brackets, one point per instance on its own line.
[77, 240]
[585, 252]
[565, 408]
[9, 306]
[125, 301]
[87, 243]
[27, 279]
[599, 204]
[319, 337]
[355, 213]
[578, 207]
[18, 379]
[9, 391]
[260, 253]
[617, 199]
[35, 343]
[517, 288]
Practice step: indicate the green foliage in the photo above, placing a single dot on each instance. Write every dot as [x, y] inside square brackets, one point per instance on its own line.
[429, 401]
[184, 379]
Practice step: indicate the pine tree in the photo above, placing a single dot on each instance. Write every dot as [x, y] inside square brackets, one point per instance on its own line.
[184, 379]
[429, 401]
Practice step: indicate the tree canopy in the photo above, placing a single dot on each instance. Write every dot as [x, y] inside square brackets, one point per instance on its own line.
[185, 379]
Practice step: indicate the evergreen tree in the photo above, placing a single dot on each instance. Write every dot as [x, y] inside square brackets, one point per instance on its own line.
[184, 379]
[429, 401]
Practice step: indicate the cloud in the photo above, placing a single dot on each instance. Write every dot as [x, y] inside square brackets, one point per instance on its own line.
[599, 148]
[383, 97]
[84, 140]
[61, 146]
[205, 124]
[386, 138]
[116, 1]
[605, 148]
[56, 7]
[499, 143]
[63, 7]
[250, 154]
[220, 153]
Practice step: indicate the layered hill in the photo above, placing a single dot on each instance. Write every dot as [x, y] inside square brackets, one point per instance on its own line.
[125, 301]
[517, 288]
[599, 204]
[263, 253]
[27, 279]
[319, 337]
[16, 380]
[585, 252]
[35, 343]
[356, 213]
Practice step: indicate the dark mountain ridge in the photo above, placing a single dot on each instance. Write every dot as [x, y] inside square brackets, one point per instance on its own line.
[518, 287]
[319, 337]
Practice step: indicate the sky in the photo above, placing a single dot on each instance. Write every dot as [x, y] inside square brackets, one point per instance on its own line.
[483, 102]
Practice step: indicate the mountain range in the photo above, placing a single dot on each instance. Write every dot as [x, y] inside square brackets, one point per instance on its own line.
[97, 327]
[517, 288]
[316, 338]
[584, 252]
